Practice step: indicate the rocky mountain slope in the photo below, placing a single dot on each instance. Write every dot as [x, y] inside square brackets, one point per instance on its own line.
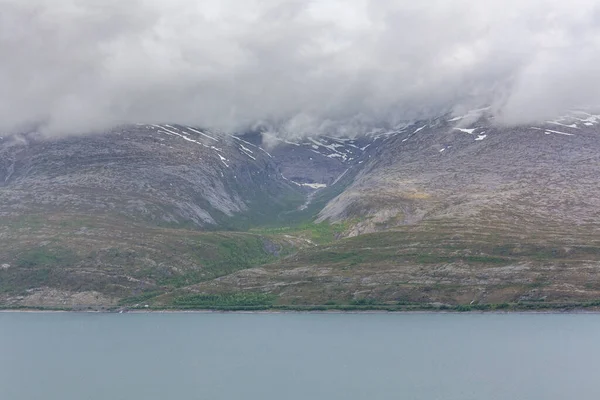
[454, 210]
[458, 211]
[469, 168]
[166, 174]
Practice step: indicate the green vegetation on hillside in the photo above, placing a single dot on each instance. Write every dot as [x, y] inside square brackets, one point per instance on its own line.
[121, 258]
[441, 265]
[317, 233]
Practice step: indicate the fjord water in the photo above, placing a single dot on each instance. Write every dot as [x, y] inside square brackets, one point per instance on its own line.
[68, 356]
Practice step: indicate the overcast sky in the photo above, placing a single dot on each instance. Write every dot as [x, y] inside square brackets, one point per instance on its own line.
[298, 65]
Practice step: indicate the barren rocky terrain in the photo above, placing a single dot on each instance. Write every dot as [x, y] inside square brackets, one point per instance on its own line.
[451, 212]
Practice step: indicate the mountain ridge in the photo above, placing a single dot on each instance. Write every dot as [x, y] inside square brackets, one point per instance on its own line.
[411, 214]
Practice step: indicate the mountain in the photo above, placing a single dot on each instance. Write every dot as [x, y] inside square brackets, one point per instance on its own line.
[456, 211]
[474, 170]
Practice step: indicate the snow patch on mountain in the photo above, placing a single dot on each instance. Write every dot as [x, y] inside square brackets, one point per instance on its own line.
[465, 130]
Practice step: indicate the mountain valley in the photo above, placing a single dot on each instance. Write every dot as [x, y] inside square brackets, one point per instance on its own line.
[452, 212]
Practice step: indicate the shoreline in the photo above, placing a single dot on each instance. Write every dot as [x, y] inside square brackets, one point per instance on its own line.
[210, 311]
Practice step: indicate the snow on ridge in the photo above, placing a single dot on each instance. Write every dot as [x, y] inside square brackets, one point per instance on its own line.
[246, 149]
[170, 132]
[251, 156]
[288, 142]
[340, 177]
[310, 185]
[561, 124]
[172, 127]
[480, 137]
[315, 185]
[558, 132]
[344, 141]
[266, 152]
[469, 131]
[157, 127]
[420, 129]
[223, 159]
[253, 145]
[550, 131]
[590, 119]
[201, 133]
[327, 146]
[289, 180]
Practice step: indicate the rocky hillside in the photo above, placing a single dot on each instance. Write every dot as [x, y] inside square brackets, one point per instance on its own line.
[467, 168]
[163, 174]
[454, 210]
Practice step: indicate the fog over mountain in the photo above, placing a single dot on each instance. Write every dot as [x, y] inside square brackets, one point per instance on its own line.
[328, 66]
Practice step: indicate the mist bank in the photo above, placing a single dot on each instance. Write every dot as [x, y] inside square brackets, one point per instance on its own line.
[329, 66]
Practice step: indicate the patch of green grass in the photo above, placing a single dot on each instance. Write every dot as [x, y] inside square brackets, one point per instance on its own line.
[318, 233]
[268, 206]
[31, 221]
[221, 254]
[45, 257]
[21, 279]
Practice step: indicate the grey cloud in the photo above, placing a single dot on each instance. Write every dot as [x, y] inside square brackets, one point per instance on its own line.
[293, 66]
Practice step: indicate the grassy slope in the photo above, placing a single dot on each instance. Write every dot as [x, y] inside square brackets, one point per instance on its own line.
[50, 258]
[120, 259]
[437, 264]
[458, 265]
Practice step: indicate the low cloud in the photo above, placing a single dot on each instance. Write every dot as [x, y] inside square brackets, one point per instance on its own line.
[292, 66]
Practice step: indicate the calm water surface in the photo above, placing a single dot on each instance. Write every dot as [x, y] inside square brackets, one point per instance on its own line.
[69, 356]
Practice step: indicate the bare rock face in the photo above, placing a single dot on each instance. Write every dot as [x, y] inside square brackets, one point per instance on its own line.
[461, 210]
[169, 174]
[472, 169]
[465, 168]
[163, 174]
[53, 298]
